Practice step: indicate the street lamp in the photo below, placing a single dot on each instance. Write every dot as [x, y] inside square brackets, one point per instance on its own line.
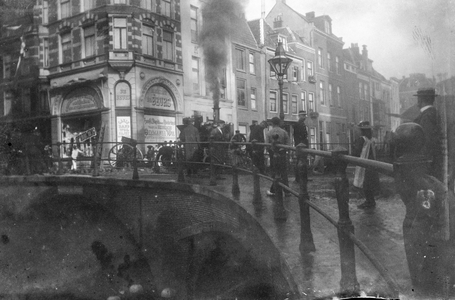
[279, 64]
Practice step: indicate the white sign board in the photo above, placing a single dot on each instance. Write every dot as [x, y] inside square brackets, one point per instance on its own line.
[159, 129]
[123, 128]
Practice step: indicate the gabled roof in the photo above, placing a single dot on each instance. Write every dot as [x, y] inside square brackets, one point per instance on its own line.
[242, 33]
[256, 31]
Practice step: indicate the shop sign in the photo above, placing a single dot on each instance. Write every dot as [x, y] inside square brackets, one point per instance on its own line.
[158, 97]
[82, 137]
[123, 128]
[159, 129]
[81, 99]
[122, 94]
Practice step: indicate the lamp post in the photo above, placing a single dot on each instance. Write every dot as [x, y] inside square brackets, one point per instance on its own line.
[279, 64]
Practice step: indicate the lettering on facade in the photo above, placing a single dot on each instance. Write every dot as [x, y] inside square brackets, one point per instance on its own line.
[160, 85]
[82, 137]
[159, 129]
[158, 97]
[123, 128]
[81, 99]
[122, 94]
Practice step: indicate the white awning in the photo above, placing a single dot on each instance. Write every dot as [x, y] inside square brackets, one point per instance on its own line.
[78, 78]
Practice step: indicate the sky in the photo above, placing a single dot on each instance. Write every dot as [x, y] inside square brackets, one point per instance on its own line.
[387, 28]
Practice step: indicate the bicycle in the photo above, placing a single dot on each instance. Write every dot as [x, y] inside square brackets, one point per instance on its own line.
[122, 154]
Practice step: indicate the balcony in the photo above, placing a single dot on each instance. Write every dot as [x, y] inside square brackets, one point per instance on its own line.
[311, 79]
[121, 61]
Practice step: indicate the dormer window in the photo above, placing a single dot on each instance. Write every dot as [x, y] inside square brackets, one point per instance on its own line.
[327, 27]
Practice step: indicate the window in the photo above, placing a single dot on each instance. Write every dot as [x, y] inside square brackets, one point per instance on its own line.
[89, 41]
[253, 98]
[243, 128]
[147, 42]
[285, 103]
[312, 137]
[302, 71]
[329, 61]
[329, 96]
[360, 90]
[7, 66]
[241, 92]
[310, 68]
[120, 37]
[119, 1]
[195, 78]
[240, 59]
[303, 100]
[320, 62]
[284, 41]
[273, 101]
[339, 96]
[295, 74]
[337, 65]
[65, 48]
[194, 27]
[311, 101]
[148, 4]
[327, 26]
[365, 90]
[166, 8]
[45, 11]
[168, 45]
[87, 5]
[65, 9]
[321, 135]
[251, 61]
[294, 105]
[45, 52]
[321, 92]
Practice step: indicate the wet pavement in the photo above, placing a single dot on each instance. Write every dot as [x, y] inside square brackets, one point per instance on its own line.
[319, 274]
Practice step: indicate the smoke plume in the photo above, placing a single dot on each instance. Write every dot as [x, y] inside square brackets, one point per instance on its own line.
[216, 28]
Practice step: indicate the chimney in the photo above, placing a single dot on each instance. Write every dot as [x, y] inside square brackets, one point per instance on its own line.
[365, 52]
[310, 15]
[277, 22]
[282, 1]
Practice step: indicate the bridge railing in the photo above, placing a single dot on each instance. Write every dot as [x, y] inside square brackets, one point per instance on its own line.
[347, 239]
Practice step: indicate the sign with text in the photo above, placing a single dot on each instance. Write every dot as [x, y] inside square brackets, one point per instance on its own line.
[81, 99]
[159, 129]
[122, 95]
[158, 97]
[123, 128]
[86, 135]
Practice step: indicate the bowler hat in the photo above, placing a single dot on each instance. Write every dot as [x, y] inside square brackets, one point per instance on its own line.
[426, 92]
[302, 112]
[364, 125]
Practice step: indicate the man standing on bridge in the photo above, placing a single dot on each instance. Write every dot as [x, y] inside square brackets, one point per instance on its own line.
[278, 161]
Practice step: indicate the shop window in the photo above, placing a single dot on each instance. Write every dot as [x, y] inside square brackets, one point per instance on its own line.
[122, 95]
[241, 92]
[89, 41]
[168, 45]
[272, 100]
[147, 41]
[120, 36]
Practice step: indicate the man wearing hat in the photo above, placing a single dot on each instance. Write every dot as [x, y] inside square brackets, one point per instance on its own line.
[190, 134]
[366, 178]
[429, 120]
[300, 137]
[278, 162]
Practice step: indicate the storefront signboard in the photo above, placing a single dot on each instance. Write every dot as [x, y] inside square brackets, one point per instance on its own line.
[159, 129]
[81, 99]
[158, 97]
[123, 128]
[122, 95]
[82, 137]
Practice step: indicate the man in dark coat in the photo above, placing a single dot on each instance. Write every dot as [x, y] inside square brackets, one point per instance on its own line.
[257, 152]
[300, 137]
[366, 178]
[430, 122]
[190, 134]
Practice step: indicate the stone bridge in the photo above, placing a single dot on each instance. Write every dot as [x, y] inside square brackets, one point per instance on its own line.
[99, 237]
